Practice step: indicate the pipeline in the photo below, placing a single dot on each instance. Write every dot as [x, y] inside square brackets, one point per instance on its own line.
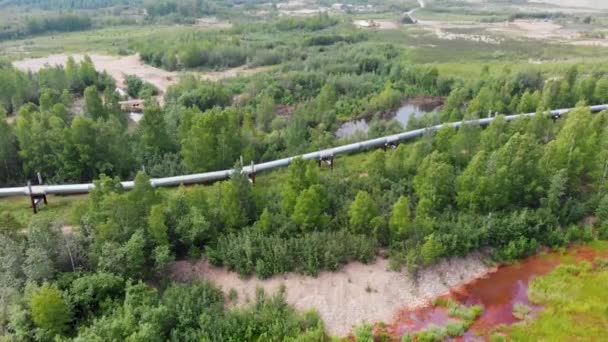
[209, 177]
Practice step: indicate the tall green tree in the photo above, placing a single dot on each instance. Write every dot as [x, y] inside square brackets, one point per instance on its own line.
[50, 311]
[154, 138]
[93, 104]
[361, 212]
[434, 184]
[401, 220]
[9, 158]
[310, 209]
[573, 149]
[213, 140]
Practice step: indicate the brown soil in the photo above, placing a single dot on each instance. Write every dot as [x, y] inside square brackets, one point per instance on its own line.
[356, 294]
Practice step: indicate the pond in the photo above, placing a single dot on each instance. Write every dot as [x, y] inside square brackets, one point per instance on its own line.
[402, 115]
[497, 292]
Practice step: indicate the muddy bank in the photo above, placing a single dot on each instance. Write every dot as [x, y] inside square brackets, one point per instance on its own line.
[497, 291]
[356, 294]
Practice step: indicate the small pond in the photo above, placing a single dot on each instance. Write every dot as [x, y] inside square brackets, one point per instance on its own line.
[402, 115]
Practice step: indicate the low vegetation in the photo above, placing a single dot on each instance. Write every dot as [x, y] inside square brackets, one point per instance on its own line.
[573, 300]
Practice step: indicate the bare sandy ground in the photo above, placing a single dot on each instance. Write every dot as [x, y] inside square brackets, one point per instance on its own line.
[358, 293]
[535, 29]
[494, 33]
[595, 4]
[213, 22]
[119, 67]
[377, 24]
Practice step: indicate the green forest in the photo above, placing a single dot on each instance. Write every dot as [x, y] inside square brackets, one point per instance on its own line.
[98, 267]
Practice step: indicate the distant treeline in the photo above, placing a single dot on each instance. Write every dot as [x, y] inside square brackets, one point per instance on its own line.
[68, 4]
[59, 23]
[43, 24]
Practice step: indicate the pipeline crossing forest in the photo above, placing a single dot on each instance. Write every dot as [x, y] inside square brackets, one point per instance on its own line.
[98, 267]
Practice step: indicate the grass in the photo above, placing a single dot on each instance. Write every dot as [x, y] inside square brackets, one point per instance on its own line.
[59, 207]
[521, 311]
[575, 304]
[106, 40]
[466, 313]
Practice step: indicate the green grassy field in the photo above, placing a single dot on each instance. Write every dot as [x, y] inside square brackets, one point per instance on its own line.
[106, 40]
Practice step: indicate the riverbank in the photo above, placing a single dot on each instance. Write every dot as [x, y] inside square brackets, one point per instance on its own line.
[372, 294]
[345, 299]
[514, 296]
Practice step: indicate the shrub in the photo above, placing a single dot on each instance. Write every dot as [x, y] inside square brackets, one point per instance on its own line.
[364, 334]
[455, 328]
[266, 255]
[432, 334]
[602, 232]
[602, 263]
[521, 311]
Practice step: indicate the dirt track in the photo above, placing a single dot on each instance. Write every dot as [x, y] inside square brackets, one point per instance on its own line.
[358, 293]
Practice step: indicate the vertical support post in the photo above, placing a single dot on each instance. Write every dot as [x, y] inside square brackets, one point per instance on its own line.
[331, 162]
[29, 188]
[40, 183]
[252, 173]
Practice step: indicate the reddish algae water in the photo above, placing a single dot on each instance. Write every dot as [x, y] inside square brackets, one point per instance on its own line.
[498, 292]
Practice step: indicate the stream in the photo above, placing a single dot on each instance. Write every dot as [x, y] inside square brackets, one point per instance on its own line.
[498, 292]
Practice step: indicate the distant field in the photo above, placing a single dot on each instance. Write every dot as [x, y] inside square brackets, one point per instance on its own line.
[577, 3]
[109, 40]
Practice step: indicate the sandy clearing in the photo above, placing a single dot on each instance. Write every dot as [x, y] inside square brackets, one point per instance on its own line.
[377, 24]
[213, 22]
[119, 67]
[535, 29]
[356, 294]
[595, 4]
[495, 33]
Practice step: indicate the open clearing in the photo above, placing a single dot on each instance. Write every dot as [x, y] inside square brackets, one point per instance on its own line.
[495, 33]
[596, 4]
[356, 294]
[120, 67]
[117, 67]
[377, 24]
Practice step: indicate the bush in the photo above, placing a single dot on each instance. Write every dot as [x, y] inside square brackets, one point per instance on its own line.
[602, 232]
[455, 328]
[265, 255]
[432, 334]
[364, 334]
[521, 311]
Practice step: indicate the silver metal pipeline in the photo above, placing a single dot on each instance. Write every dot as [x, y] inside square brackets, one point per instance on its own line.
[209, 177]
